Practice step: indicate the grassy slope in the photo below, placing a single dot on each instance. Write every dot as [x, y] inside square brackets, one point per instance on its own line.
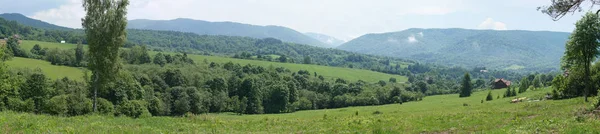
[53, 72]
[443, 113]
[326, 71]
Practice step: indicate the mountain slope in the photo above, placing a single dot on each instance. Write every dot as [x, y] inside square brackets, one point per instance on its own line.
[533, 50]
[225, 28]
[22, 19]
[331, 41]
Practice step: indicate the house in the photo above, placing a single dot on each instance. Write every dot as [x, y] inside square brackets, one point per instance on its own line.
[63, 42]
[500, 83]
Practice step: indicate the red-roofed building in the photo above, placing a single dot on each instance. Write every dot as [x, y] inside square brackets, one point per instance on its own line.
[500, 83]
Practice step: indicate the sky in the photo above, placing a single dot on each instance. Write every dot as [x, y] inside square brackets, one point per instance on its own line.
[343, 19]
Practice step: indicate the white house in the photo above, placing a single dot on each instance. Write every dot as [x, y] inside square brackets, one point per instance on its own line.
[63, 42]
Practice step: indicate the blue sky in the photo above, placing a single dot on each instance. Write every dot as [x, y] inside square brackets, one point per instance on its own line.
[344, 19]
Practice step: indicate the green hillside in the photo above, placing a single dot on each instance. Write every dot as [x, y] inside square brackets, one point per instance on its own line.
[535, 50]
[435, 114]
[226, 28]
[53, 72]
[326, 71]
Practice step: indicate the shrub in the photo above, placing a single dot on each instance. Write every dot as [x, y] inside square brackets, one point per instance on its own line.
[16, 104]
[104, 106]
[57, 105]
[489, 96]
[377, 112]
[134, 108]
[304, 104]
[79, 105]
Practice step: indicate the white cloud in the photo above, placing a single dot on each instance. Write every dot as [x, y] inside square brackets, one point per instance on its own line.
[489, 23]
[68, 15]
[412, 39]
[421, 34]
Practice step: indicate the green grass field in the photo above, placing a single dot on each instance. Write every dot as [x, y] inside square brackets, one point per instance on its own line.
[52, 71]
[435, 114]
[326, 71]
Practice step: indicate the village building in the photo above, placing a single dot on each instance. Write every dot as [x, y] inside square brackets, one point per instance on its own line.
[500, 83]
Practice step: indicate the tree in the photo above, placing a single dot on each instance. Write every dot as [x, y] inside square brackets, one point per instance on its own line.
[489, 96]
[36, 49]
[392, 80]
[13, 46]
[79, 53]
[160, 59]
[536, 82]
[582, 47]
[282, 58]
[560, 8]
[37, 89]
[307, 60]
[466, 86]
[104, 26]
[523, 85]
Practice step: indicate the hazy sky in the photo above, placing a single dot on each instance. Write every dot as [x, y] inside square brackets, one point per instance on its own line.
[344, 19]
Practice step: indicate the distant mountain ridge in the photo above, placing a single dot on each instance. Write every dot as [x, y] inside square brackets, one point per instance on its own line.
[510, 49]
[22, 19]
[225, 28]
[331, 41]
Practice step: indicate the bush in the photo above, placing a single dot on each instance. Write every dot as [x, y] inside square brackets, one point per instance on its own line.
[489, 96]
[104, 106]
[16, 104]
[157, 107]
[134, 108]
[57, 105]
[79, 105]
[304, 104]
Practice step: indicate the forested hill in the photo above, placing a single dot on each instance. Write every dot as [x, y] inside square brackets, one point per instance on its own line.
[512, 49]
[22, 19]
[229, 46]
[226, 28]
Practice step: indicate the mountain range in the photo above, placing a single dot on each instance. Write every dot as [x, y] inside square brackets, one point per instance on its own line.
[22, 19]
[226, 28]
[509, 49]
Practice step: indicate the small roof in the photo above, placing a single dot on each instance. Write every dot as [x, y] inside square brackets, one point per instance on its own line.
[507, 82]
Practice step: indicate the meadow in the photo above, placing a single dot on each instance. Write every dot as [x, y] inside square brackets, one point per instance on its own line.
[326, 71]
[52, 71]
[435, 114]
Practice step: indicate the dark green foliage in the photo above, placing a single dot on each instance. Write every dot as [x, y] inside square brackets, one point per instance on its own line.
[79, 104]
[523, 85]
[79, 54]
[173, 77]
[36, 89]
[392, 80]
[105, 107]
[157, 107]
[13, 46]
[489, 97]
[134, 108]
[57, 105]
[160, 59]
[466, 87]
[381, 83]
[278, 99]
